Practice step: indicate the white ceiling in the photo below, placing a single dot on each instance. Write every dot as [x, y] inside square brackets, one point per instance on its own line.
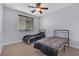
[23, 7]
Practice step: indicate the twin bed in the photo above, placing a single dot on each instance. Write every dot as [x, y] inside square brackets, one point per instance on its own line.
[52, 45]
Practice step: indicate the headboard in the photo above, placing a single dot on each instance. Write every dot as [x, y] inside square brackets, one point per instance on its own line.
[61, 31]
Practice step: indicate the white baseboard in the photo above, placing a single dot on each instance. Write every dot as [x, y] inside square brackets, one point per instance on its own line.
[1, 49]
[74, 44]
[12, 42]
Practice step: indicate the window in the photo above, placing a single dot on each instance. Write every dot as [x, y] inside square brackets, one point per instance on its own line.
[25, 23]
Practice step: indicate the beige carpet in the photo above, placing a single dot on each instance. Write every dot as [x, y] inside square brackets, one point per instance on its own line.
[22, 49]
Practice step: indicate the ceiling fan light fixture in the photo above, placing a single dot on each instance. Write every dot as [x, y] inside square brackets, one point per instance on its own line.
[38, 9]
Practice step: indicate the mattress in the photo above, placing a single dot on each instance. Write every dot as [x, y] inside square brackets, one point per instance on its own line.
[50, 45]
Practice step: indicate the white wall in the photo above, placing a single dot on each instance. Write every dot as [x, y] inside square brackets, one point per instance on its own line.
[11, 22]
[66, 18]
[1, 24]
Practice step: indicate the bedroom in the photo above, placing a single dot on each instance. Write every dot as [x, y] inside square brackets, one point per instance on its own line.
[58, 16]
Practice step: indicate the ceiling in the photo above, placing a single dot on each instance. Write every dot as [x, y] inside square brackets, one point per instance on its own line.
[23, 7]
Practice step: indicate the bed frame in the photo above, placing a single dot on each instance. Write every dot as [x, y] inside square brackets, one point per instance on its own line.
[49, 50]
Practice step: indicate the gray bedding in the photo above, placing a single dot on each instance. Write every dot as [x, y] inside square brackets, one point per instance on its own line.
[50, 45]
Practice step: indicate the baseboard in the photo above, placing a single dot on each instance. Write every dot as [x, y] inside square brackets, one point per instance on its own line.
[1, 49]
[12, 42]
[74, 44]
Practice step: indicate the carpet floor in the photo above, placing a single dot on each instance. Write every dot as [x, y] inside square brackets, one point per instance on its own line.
[22, 49]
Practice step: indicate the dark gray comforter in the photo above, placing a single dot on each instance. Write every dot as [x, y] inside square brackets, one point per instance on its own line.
[50, 45]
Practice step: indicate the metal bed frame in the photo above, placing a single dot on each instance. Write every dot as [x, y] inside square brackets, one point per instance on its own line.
[49, 50]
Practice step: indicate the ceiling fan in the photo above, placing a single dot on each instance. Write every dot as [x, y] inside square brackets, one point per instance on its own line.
[38, 8]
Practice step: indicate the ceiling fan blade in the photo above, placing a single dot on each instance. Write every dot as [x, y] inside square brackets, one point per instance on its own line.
[31, 6]
[45, 8]
[33, 11]
[40, 12]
